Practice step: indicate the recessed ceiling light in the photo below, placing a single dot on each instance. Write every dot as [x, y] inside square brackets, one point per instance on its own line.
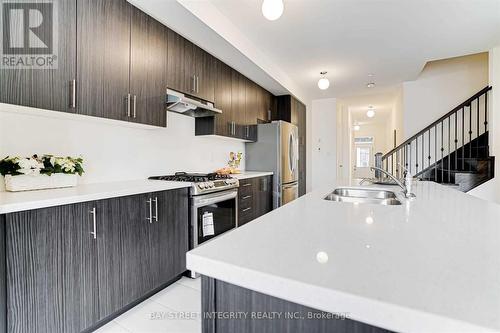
[357, 127]
[323, 83]
[370, 113]
[370, 85]
[272, 9]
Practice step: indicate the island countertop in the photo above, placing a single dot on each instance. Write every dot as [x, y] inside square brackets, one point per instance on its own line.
[431, 264]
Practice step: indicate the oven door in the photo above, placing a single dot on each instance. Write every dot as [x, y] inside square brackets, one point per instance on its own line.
[221, 208]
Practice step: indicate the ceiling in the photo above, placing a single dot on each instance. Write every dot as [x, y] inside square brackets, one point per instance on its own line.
[391, 39]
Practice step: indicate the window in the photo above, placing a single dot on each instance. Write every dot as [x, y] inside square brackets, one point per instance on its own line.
[362, 157]
[364, 139]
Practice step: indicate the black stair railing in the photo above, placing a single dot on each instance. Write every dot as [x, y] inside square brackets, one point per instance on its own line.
[444, 146]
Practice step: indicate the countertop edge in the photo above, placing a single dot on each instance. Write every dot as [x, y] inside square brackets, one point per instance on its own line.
[369, 311]
[71, 195]
[252, 174]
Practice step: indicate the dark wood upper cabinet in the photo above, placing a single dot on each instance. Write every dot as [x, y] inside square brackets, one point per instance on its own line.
[189, 68]
[148, 69]
[47, 88]
[264, 105]
[199, 72]
[222, 98]
[205, 74]
[251, 102]
[103, 58]
[114, 61]
[287, 109]
[176, 62]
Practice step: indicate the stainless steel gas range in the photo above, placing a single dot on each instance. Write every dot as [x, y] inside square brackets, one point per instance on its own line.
[213, 203]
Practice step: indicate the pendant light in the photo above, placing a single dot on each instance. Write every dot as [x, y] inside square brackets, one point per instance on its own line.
[272, 9]
[371, 112]
[323, 83]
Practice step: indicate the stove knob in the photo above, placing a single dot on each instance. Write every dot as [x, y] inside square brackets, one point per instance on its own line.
[227, 181]
[201, 186]
[211, 184]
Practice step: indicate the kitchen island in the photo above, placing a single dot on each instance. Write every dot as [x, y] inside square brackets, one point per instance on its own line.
[429, 265]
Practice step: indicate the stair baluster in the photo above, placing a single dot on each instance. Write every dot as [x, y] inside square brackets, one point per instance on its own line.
[459, 163]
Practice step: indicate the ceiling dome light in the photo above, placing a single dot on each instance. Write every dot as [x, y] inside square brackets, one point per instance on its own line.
[323, 83]
[357, 127]
[370, 85]
[272, 9]
[370, 113]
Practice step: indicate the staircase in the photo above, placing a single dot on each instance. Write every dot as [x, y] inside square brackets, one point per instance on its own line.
[453, 150]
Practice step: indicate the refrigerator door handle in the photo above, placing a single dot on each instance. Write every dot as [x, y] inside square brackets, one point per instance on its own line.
[291, 149]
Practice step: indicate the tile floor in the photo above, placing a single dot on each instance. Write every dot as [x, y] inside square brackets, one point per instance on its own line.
[175, 309]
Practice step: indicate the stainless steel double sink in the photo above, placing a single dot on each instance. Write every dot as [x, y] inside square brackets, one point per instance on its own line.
[363, 195]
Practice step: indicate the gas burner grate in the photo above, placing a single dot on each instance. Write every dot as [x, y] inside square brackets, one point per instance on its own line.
[192, 177]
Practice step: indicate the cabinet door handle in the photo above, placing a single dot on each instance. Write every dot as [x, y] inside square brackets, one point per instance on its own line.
[246, 197]
[248, 131]
[233, 128]
[94, 223]
[247, 184]
[135, 106]
[156, 209]
[246, 209]
[128, 105]
[150, 203]
[193, 84]
[72, 103]
[197, 84]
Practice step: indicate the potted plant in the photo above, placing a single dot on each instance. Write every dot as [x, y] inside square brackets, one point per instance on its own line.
[35, 172]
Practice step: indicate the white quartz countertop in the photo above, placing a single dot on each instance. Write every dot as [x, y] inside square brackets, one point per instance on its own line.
[251, 174]
[19, 201]
[429, 265]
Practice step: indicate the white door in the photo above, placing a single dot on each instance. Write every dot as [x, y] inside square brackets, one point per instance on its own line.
[363, 156]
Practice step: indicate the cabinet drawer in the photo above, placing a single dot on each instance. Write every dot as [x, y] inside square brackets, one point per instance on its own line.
[245, 215]
[245, 200]
[246, 187]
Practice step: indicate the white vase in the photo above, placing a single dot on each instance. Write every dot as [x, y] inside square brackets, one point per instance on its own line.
[39, 182]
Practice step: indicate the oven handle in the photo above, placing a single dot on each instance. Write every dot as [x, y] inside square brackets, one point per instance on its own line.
[211, 199]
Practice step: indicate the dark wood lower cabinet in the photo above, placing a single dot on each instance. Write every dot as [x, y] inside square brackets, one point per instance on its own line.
[222, 298]
[52, 278]
[254, 198]
[71, 268]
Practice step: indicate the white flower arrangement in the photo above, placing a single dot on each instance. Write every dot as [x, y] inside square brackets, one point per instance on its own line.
[33, 173]
[35, 165]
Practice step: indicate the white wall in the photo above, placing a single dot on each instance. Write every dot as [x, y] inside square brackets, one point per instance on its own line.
[344, 139]
[442, 85]
[491, 189]
[397, 116]
[323, 142]
[112, 150]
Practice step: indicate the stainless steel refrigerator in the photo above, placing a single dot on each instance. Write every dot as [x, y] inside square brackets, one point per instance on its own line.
[277, 150]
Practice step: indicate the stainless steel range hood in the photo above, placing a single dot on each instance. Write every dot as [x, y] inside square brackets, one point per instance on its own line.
[181, 103]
